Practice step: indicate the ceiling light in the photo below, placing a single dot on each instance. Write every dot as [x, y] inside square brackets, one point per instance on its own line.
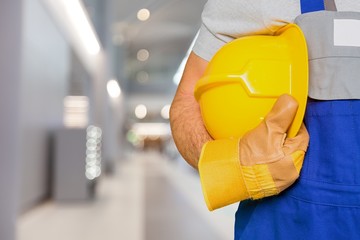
[143, 55]
[140, 111]
[143, 14]
[142, 77]
[165, 111]
[82, 24]
[113, 88]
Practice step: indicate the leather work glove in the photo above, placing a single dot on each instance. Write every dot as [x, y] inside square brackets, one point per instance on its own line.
[260, 164]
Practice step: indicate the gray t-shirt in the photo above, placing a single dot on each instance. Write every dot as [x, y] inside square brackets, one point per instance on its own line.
[225, 20]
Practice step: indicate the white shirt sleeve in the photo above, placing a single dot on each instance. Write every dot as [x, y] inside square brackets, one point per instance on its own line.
[225, 20]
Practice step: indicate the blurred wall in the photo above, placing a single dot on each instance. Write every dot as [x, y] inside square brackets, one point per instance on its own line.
[44, 80]
[35, 61]
[10, 49]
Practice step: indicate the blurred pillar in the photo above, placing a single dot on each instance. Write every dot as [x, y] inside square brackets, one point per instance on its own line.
[98, 85]
[10, 61]
[113, 70]
[97, 14]
[111, 138]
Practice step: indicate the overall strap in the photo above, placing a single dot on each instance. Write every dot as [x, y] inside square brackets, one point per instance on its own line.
[311, 5]
[317, 5]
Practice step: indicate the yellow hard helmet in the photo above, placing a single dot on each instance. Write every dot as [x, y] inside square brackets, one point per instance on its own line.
[246, 76]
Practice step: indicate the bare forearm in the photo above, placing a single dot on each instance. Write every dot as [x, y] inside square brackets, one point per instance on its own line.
[188, 130]
[187, 126]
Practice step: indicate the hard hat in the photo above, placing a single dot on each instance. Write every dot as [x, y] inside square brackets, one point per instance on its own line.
[247, 75]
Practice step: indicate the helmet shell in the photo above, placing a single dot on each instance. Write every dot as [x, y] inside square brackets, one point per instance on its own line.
[246, 76]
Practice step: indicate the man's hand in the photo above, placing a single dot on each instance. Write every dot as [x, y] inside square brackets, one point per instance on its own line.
[187, 126]
[262, 163]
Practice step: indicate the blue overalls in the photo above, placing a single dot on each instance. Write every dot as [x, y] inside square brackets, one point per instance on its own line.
[325, 201]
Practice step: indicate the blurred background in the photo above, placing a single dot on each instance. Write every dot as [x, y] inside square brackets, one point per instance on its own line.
[85, 143]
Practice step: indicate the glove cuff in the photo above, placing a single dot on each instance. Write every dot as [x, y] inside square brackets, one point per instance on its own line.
[221, 174]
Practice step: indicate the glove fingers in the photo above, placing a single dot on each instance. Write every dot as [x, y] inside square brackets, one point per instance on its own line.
[265, 142]
[299, 142]
[282, 114]
[286, 171]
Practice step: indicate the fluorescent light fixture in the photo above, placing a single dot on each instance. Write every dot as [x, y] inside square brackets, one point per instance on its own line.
[76, 111]
[151, 129]
[180, 71]
[80, 102]
[113, 88]
[79, 18]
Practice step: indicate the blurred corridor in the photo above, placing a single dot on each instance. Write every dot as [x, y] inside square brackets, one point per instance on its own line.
[85, 143]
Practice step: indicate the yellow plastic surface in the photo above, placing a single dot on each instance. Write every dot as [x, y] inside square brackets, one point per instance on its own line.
[220, 173]
[247, 75]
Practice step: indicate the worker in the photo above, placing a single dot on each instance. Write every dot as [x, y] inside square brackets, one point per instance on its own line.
[324, 203]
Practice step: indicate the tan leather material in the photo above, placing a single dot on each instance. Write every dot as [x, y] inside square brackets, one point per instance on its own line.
[284, 173]
[299, 142]
[264, 144]
[267, 144]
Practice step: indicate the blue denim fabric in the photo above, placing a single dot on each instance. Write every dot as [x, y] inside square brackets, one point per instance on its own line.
[325, 201]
